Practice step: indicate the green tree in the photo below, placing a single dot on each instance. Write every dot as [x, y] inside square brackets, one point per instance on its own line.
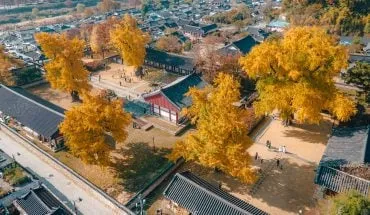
[359, 75]
[350, 203]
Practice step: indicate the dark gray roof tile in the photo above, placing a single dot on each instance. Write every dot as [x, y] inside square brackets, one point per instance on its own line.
[200, 197]
[39, 115]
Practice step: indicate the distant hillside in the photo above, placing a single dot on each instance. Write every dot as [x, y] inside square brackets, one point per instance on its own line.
[341, 17]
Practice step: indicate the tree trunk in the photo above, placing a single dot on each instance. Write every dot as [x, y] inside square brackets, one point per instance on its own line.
[75, 96]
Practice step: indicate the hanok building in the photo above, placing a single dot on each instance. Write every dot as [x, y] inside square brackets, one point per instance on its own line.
[36, 118]
[41, 201]
[239, 47]
[347, 149]
[168, 101]
[199, 197]
[195, 32]
[5, 161]
[277, 25]
[174, 63]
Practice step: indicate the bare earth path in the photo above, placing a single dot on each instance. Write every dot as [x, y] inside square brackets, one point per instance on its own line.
[66, 189]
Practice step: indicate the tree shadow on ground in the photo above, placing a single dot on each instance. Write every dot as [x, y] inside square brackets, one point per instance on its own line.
[138, 164]
[310, 133]
[289, 189]
[45, 91]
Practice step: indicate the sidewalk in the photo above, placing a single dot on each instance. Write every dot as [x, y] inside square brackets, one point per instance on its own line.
[67, 187]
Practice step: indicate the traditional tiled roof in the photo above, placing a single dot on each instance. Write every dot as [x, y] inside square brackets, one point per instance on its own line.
[180, 36]
[193, 29]
[208, 28]
[5, 160]
[339, 181]
[245, 44]
[278, 24]
[171, 24]
[347, 145]
[38, 114]
[169, 59]
[201, 198]
[182, 22]
[41, 202]
[242, 46]
[175, 92]
[359, 58]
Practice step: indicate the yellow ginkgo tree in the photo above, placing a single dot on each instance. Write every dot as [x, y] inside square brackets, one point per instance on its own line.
[65, 70]
[295, 75]
[221, 139]
[130, 41]
[88, 127]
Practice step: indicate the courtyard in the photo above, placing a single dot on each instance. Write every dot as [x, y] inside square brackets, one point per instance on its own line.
[147, 148]
[286, 189]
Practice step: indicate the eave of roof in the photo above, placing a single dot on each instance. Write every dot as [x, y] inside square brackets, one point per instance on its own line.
[227, 203]
[47, 125]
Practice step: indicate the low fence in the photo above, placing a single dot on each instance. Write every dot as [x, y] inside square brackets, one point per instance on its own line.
[87, 185]
[154, 183]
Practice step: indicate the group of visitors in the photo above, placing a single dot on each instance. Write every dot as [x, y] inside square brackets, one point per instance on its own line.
[281, 148]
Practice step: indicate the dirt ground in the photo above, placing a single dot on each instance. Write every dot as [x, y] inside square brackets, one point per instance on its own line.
[56, 97]
[106, 178]
[287, 189]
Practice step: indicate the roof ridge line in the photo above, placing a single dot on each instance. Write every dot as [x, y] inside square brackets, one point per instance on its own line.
[39, 200]
[59, 200]
[36, 103]
[158, 91]
[213, 194]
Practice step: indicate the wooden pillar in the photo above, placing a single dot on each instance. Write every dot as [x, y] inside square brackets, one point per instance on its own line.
[159, 110]
[177, 117]
[169, 111]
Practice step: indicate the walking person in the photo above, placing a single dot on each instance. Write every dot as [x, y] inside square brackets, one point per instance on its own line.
[277, 163]
[284, 149]
[256, 156]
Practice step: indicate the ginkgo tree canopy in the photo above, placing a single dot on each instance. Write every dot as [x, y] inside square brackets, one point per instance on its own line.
[295, 75]
[65, 70]
[87, 127]
[130, 41]
[221, 139]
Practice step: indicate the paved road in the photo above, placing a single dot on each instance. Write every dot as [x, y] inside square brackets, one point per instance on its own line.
[67, 190]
